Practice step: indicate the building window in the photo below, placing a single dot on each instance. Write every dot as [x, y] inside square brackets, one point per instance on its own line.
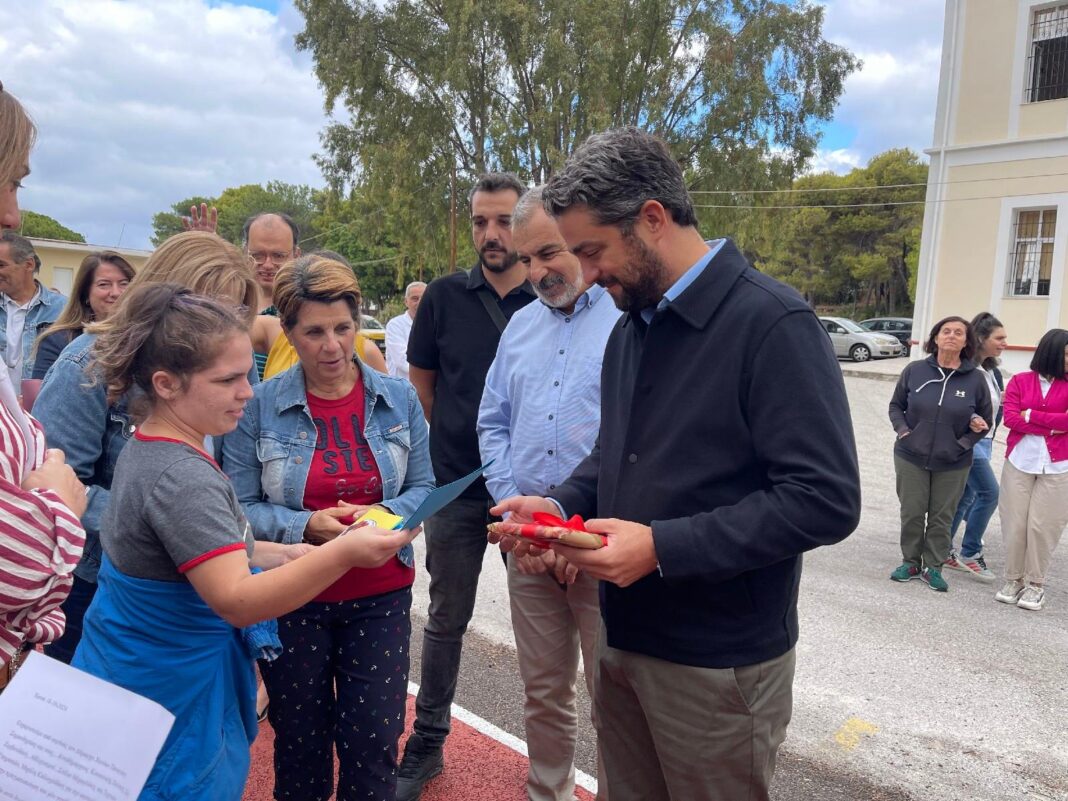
[1031, 259]
[1047, 66]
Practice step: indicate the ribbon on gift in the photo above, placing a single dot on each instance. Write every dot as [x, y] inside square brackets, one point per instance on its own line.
[575, 523]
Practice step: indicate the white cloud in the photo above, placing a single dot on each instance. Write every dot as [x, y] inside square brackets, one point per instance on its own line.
[142, 104]
[837, 161]
[890, 101]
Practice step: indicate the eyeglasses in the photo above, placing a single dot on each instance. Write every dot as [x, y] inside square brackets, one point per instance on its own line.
[262, 258]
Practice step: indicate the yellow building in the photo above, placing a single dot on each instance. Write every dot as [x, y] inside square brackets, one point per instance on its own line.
[995, 227]
[60, 260]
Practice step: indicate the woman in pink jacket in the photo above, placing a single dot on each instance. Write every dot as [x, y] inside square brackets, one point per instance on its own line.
[1034, 482]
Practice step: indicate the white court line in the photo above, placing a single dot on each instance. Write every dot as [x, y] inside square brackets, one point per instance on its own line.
[483, 726]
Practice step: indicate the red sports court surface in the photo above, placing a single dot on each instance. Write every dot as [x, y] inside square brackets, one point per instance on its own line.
[477, 766]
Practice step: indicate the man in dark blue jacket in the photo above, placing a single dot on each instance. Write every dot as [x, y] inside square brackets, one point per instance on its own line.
[725, 451]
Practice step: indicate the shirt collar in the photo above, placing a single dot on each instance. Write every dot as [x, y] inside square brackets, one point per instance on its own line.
[476, 279]
[584, 301]
[292, 391]
[685, 280]
[11, 302]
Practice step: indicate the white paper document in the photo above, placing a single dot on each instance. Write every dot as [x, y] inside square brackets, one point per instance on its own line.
[69, 736]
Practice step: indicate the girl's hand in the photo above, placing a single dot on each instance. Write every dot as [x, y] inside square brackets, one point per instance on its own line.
[370, 546]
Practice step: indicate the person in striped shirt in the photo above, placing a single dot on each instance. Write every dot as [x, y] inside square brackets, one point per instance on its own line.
[41, 498]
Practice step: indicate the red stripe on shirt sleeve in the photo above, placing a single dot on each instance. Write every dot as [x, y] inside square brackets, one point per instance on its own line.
[204, 557]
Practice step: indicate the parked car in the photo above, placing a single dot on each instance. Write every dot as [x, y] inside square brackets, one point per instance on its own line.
[900, 327]
[849, 339]
[373, 330]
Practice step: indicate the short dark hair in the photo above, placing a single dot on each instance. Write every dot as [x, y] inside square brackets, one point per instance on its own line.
[984, 324]
[970, 343]
[615, 173]
[1049, 355]
[283, 217]
[497, 182]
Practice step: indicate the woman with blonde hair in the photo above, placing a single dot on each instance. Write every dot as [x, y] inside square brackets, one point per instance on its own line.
[100, 281]
[319, 445]
[90, 429]
[43, 538]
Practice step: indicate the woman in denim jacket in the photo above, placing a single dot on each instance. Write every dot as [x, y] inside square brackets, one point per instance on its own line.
[79, 420]
[320, 444]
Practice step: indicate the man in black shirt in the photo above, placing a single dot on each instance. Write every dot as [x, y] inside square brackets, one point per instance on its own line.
[453, 341]
[725, 451]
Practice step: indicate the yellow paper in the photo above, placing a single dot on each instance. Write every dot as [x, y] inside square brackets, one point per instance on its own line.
[380, 518]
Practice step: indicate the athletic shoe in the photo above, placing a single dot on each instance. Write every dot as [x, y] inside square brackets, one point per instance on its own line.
[976, 565]
[954, 563]
[906, 572]
[1011, 591]
[1033, 598]
[420, 764]
[932, 577]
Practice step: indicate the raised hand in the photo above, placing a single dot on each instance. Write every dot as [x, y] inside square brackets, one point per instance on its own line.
[202, 219]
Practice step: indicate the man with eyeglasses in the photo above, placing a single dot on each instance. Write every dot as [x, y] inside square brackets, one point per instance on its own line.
[270, 241]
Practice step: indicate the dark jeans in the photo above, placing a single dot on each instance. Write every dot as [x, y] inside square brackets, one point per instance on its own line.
[977, 505]
[74, 607]
[342, 680]
[455, 545]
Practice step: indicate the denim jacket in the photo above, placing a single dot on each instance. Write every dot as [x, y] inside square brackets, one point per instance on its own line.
[91, 433]
[41, 314]
[269, 455]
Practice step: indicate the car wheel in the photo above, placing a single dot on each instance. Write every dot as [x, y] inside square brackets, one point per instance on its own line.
[859, 353]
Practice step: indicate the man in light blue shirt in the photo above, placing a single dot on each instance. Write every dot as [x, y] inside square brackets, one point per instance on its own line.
[539, 417]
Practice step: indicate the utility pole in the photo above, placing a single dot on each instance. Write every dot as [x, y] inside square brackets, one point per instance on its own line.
[452, 217]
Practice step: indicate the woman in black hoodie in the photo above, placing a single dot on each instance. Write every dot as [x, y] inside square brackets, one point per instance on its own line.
[940, 409]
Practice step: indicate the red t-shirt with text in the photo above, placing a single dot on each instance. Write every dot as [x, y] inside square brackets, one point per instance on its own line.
[344, 468]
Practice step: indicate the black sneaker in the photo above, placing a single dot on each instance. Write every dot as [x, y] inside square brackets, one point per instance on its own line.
[420, 764]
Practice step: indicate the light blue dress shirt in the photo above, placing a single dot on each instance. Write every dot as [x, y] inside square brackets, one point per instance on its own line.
[685, 279]
[541, 407]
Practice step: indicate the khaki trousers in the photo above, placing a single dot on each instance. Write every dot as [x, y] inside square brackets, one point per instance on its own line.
[551, 623]
[1034, 511]
[672, 732]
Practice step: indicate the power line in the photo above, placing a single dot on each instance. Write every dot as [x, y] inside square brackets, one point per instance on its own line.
[871, 188]
[868, 205]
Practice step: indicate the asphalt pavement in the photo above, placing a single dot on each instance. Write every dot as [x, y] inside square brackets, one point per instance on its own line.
[901, 692]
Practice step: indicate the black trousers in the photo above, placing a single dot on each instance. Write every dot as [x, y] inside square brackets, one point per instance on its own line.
[342, 680]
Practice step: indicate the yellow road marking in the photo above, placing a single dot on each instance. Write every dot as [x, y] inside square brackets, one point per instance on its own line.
[852, 730]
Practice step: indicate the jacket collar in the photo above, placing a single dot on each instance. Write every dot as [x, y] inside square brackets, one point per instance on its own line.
[966, 365]
[700, 301]
[476, 279]
[292, 391]
[42, 297]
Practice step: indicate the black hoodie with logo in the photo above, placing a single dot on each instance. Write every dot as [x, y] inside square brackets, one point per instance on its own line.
[931, 412]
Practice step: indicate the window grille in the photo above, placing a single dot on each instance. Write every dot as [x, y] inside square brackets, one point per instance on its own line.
[1031, 257]
[1047, 65]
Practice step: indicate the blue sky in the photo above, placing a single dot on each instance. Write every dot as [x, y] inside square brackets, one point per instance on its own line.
[143, 103]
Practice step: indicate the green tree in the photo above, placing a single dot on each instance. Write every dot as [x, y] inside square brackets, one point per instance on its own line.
[237, 204]
[44, 227]
[856, 238]
[438, 92]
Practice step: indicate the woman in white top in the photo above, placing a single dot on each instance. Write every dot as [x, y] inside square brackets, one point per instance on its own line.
[1034, 482]
[980, 497]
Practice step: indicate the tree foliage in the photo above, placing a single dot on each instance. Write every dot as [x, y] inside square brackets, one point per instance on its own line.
[851, 244]
[438, 92]
[236, 204]
[44, 227]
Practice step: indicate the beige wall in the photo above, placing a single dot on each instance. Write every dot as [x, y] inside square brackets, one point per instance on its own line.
[985, 76]
[972, 257]
[60, 260]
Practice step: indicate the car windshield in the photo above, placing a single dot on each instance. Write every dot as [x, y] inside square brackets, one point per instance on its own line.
[372, 323]
[849, 325]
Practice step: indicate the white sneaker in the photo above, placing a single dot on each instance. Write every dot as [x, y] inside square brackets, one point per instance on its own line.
[1033, 598]
[1010, 593]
